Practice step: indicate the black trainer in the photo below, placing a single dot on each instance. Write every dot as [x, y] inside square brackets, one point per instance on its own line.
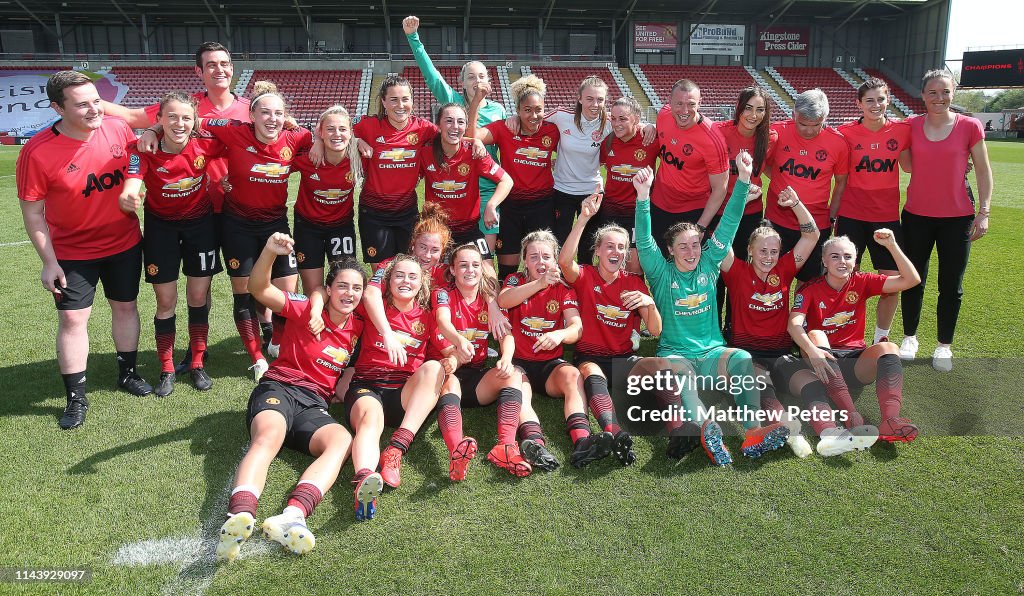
[166, 385]
[201, 380]
[74, 413]
[134, 384]
[538, 455]
[592, 448]
[623, 448]
[186, 362]
[684, 439]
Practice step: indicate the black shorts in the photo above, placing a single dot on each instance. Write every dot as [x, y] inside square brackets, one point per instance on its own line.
[475, 237]
[244, 240]
[304, 412]
[469, 377]
[662, 221]
[538, 371]
[519, 219]
[389, 398]
[748, 223]
[119, 273]
[385, 235]
[189, 244]
[812, 267]
[861, 233]
[314, 243]
[615, 368]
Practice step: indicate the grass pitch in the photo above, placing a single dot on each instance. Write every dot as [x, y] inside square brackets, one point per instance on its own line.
[138, 493]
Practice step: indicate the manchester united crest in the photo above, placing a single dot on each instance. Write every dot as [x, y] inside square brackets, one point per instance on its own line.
[117, 151]
[286, 153]
[152, 270]
[273, 401]
[773, 280]
[851, 297]
[418, 328]
[300, 257]
[371, 251]
[821, 155]
[482, 318]
[546, 141]
[413, 138]
[552, 306]
[687, 149]
[891, 145]
[463, 169]
[596, 135]
[199, 162]
[233, 263]
[350, 177]
[640, 154]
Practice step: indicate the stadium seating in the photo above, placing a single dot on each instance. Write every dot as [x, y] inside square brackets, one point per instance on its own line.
[719, 86]
[912, 101]
[424, 100]
[147, 84]
[842, 96]
[310, 92]
[563, 84]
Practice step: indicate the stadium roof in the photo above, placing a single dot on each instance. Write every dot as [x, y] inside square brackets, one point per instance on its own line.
[443, 12]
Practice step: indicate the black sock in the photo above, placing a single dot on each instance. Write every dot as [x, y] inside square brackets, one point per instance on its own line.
[74, 385]
[126, 363]
[267, 330]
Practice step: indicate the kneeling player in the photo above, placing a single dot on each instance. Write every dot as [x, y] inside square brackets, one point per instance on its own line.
[289, 406]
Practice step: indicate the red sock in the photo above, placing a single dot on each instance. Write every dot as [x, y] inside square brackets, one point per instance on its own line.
[165, 342]
[510, 404]
[248, 326]
[243, 502]
[770, 402]
[889, 386]
[306, 497]
[670, 399]
[530, 430]
[578, 426]
[838, 391]
[596, 389]
[198, 333]
[449, 420]
[821, 417]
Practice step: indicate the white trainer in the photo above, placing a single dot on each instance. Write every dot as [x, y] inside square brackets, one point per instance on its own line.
[908, 349]
[799, 446]
[942, 359]
[259, 368]
[835, 441]
[864, 436]
[290, 531]
[236, 530]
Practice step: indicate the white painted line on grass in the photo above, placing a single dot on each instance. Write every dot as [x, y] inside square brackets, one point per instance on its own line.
[19, 243]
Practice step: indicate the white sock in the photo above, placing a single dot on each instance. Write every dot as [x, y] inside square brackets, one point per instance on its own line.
[880, 333]
[247, 487]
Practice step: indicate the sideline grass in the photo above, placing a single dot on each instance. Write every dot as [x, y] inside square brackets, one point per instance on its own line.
[942, 514]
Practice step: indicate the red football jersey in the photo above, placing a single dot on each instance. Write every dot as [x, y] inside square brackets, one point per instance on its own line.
[437, 277]
[258, 172]
[414, 328]
[325, 193]
[840, 314]
[468, 318]
[760, 309]
[622, 160]
[81, 182]
[176, 186]
[873, 188]
[308, 362]
[456, 184]
[688, 158]
[394, 170]
[608, 326]
[527, 159]
[537, 315]
[217, 168]
[807, 166]
[734, 141]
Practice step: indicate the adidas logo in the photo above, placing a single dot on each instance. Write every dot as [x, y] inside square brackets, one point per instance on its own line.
[431, 168]
[250, 149]
[162, 170]
[786, 148]
[314, 177]
[379, 139]
[71, 168]
[567, 131]
[611, 154]
[675, 286]
[858, 147]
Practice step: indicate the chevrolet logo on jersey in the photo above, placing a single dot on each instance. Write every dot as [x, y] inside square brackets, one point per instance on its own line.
[838, 320]
[625, 170]
[532, 153]
[407, 340]
[448, 186]
[473, 334]
[767, 299]
[612, 312]
[692, 301]
[340, 356]
[271, 169]
[398, 154]
[332, 193]
[185, 184]
[537, 323]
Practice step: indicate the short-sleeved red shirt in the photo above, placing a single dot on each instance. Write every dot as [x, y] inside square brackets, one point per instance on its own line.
[258, 172]
[415, 329]
[527, 159]
[538, 315]
[325, 193]
[937, 186]
[688, 158]
[760, 309]
[468, 318]
[622, 160]
[735, 141]
[873, 187]
[308, 362]
[218, 167]
[808, 166]
[840, 314]
[455, 185]
[394, 169]
[81, 182]
[608, 325]
[176, 186]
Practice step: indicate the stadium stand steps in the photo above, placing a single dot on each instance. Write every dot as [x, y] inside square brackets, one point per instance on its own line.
[623, 87]
[243, 81]
[783, 103]
[503, 84]
[363, 99]
[904, 102]
[373, 104]
[636, 90]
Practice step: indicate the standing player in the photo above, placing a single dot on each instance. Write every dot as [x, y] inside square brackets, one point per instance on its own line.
[473, 73]
[324, 226]
[807, 156]
[827, 324]
[180, 231]
[872, 197]
[527, 157]
[69, 177]
[612, 303]
[690, 183]
[289, 407]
